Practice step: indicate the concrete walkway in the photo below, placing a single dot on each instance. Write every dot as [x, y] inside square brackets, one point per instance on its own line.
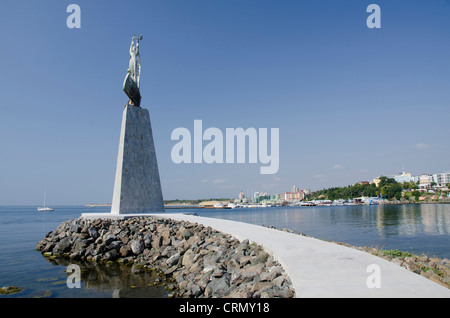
[322, 269]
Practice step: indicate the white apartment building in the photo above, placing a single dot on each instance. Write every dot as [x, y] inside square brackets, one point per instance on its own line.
[425, 181]
[441, 179]
[403, 177]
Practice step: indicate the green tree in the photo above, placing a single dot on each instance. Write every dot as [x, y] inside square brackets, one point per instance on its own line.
[348, 192]
[390, 188]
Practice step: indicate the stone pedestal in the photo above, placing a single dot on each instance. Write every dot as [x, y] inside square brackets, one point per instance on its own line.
[137, 188]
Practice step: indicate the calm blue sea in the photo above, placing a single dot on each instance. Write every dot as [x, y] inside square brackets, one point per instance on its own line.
[423, 228]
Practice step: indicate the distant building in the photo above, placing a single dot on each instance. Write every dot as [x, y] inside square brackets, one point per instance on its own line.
[403, 177]
[377, 181]
[425, 181]
[241, 195]
[262, 198]
[441, 179]
[292, 196]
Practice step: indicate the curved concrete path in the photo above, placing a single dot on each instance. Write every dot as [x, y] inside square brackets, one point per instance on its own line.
[322, 269]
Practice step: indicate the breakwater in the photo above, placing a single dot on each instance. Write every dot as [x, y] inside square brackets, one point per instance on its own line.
[433, 268]
[201, 261]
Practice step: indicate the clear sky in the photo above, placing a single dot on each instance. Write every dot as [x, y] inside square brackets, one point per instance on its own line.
[351, 103]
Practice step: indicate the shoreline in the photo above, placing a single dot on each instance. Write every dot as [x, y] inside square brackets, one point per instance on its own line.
[181, 206]
[433, 268]
[397, 279]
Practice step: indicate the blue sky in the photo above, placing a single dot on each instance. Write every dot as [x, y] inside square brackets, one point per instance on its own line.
[351, 103]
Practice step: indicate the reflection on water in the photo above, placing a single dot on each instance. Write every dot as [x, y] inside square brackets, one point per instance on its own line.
[410, 220]
[436, 219]
[118, 280]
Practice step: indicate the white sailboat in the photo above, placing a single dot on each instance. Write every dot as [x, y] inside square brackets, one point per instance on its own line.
[44, 208]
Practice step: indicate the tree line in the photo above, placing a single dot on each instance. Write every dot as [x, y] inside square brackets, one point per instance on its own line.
[388, 188]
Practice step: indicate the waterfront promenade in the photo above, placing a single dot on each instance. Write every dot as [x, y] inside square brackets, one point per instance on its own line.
[318, 268]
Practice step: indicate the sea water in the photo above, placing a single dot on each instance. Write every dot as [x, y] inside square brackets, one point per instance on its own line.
[418, 228]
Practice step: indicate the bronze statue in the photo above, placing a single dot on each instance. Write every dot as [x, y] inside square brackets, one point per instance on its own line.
[131, 83]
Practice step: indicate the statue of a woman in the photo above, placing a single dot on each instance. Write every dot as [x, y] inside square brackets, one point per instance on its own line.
[135, 60]
[131, 83]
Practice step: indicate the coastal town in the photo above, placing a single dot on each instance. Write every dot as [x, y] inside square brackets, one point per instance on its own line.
[400, 188]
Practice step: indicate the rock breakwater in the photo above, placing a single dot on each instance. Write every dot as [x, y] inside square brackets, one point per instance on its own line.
[201, 261]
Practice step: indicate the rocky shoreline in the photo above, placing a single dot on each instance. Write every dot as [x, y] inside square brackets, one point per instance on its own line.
[200, 261]
[433, 268]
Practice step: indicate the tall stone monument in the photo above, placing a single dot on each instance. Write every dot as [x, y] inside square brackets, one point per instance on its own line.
[137, 187]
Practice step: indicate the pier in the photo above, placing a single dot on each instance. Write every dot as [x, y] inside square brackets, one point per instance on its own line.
[320, 269]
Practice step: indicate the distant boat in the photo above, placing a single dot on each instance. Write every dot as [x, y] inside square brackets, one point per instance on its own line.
[307, 203]
[44, 208]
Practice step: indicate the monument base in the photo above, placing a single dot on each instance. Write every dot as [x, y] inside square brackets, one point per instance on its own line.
[113, 216]
[137, 187]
